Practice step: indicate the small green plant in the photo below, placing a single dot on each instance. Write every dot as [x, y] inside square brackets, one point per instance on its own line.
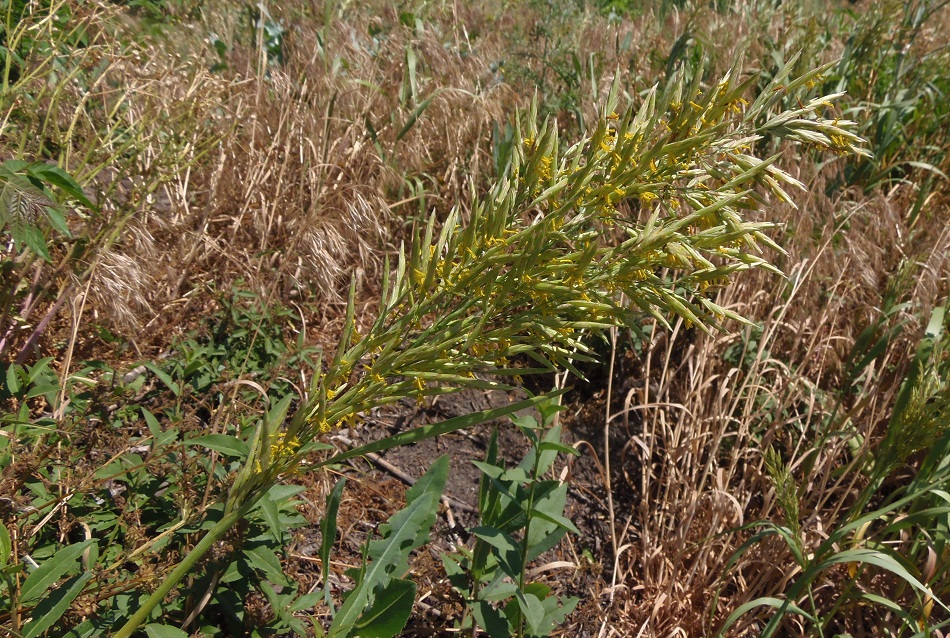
[521, 516]
[889, 542]
[121, 456]
[28, 208]
[381, 601]
[898, 81]
[248, 338]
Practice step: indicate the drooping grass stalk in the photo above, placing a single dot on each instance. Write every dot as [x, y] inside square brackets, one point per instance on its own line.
[640, 218]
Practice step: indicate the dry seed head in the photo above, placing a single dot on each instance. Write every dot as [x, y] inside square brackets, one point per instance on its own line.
[118, 288]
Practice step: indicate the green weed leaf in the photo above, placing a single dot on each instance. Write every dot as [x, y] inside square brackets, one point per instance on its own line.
[265, 560]
[13, 379]
[155, 630]
[61, 179]
[390, 611]
[165, 378]
[531, 609]
[32, 236]
[377, 573]
[51, 609]
[506, 549]
[6, 548]
[328, 531]
[47, 574]
[223, 443]
[491, 619]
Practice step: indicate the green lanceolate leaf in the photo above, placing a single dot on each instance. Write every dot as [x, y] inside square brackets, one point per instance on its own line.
[328, 530]
[390, 611]
[165, 378]
[505, 548]
[430, 485]
[52, 569]
[377, 573]
[271, 513]
[6, 548]
[265, 560]
[531, 610]
[13, 379]
[61, 179]
[491, 619]
[52, 608]
[223, 443]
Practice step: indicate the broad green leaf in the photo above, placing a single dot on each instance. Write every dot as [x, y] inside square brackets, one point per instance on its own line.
[264, 559]
[41, 371]
[52, 608]
[305, 602]
[506, 549]
[491, 620]
[57, 221]
[58, 177]
[165, 378]
[51, 570]
[153, 425]
[13, 379]
[164, 631]
[555, 519]
[422, 519]
[431, 483]
[47, 390]
[377, 571]
[281, 494]
[531, 609]
[271, 514]
[390, 611]
[223, 443]
[33, 237]
[526, 422]
[456, 574]
[554, 613]
[501, 589]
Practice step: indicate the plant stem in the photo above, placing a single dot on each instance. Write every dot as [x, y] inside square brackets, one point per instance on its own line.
[187, 565]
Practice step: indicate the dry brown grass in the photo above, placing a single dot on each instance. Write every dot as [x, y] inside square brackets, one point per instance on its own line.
[317, 166]
[703, 422]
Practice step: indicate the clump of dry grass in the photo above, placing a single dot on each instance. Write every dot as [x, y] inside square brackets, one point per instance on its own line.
[300, 174]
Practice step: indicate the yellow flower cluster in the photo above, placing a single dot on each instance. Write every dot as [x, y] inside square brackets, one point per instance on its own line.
[283, 447]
